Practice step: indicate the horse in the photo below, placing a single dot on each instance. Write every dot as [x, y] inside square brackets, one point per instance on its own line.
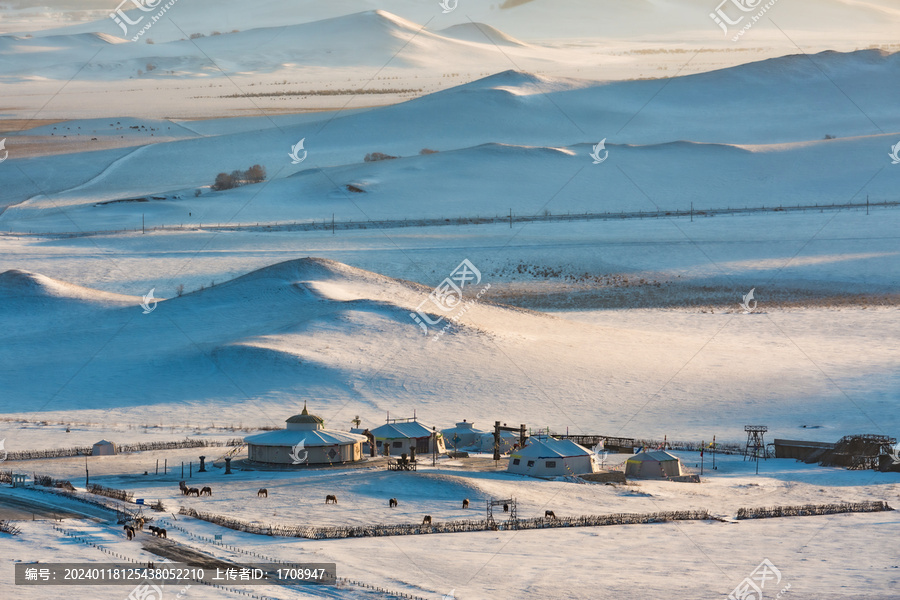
[549, 514]
[426, 520]
[392, 502]
[330, 498]
[207, 490]
[506, 508]
[153, 529]
[194, 491]
[466, 503]
[139, 524]
[161, 533]
[129, 532]
[262, 492]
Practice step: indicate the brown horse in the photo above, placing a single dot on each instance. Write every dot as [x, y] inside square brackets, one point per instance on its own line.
[129, 532]
[262, 492]
[139, 524]
[426, 520]
[194, 491]
[466, 503]
[549, 514]
[162, 533]
[332, 499]
[207, 490]
[392, 502]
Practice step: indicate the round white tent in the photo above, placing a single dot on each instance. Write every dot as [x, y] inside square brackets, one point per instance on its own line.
[508, 439]
[304, 441]
[463, 436]
[658, 464]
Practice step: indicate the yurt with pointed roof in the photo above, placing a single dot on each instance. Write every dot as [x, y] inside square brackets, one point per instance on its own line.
[545, 456]
[657, 464]
[304, 441]
[464, 435]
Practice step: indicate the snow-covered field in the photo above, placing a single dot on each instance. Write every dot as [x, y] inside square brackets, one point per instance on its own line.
[615, 327]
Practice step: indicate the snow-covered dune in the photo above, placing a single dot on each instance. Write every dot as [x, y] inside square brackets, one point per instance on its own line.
[512, 140]
[610, 19]
[254, 348]
[365, 39]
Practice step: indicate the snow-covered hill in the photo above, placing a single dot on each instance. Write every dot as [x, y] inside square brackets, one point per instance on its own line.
[512, 140]
[254, 348]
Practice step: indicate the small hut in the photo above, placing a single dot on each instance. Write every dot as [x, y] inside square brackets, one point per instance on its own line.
[399, 435]
[549, 457]
[657, 464]
[104, 448]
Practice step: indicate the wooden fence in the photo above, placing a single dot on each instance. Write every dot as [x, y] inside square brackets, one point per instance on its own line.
[811, 509]
[339, 532]
[8, 527]
[110, 492]
[48, 481]
[123, 448]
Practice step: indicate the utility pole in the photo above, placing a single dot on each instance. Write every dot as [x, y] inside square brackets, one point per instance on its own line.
[714, 453]
[433, 445]
[701, 456]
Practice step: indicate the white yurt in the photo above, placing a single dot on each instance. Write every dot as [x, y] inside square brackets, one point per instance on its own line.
[305, 441]
[463, 436]
[549, 457]
[657, 464]
[104, 448]
[508, 439]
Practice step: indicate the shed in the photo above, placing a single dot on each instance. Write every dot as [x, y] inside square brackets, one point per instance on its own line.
[104, 448]
[399, 435]
[545, 456]
[657, 464]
